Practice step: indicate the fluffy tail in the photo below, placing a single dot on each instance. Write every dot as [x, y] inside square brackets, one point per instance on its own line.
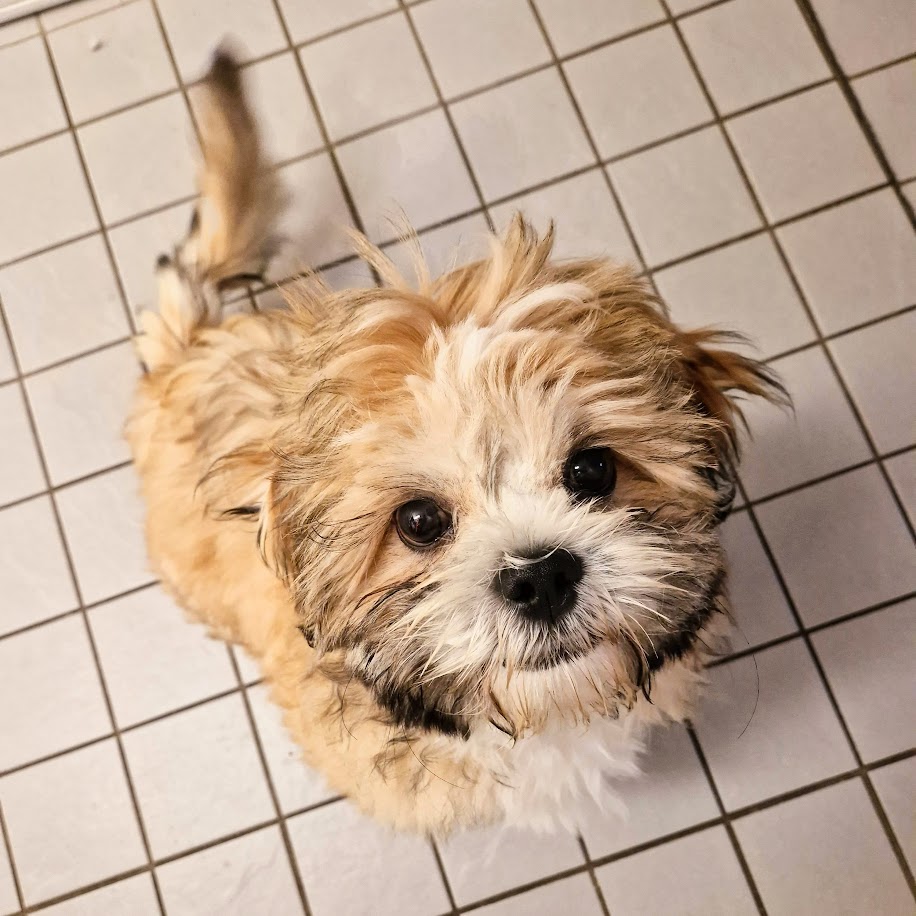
[233, 231]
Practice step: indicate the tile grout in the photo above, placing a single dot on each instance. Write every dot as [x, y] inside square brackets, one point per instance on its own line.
[6, 844]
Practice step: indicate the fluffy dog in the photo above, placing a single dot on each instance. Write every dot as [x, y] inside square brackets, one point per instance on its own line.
[469, 526]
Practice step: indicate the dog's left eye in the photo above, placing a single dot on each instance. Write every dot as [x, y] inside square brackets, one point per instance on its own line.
[421, 523]
[590, 472]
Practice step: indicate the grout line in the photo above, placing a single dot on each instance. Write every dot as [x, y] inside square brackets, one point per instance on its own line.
[8, 845]
[877, 68]
[443, 875]
[593, 877]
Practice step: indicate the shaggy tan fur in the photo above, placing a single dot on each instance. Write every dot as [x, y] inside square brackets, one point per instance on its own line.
[275, 448]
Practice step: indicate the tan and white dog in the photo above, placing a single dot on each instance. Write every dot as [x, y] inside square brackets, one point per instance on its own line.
[468, 527]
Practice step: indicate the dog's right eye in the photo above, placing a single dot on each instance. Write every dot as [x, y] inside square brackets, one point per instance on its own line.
[421, 523]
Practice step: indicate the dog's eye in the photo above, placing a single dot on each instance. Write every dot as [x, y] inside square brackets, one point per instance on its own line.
[421, 523]
[590, 472]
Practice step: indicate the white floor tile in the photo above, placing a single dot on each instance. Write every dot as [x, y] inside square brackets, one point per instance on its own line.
[651, 109]
[823, 853]
[36, 212]
[368, 75]
[198, 776]
[135, 896]
[243, 877]
[249, 669]
[71, 822]
[444, 248]
[748, 52]
[296, 784]
[577, 24]
[743, 287]
[902, 470]
[569, 895]
[153, 659]
[112, 60]
[889, 97]
[867, 661]
[9, 901]
[33, 567]
[877, 364]
[894, 785]
[698, 874]
[75, 10]
[484, 862]
[20, 470]
[671, 793]
[194, 33]
[854, 262]
[804, 152]
[820, 434]
[471, 43]
[103, 524]
[683, 196]
[521, 134]
[760, 745]
[48, 676]
[62, 303]
[18, 29]
[308, 19]
[79, 410]
[412, 168]
[841, 545]
[28, 115]
[140, 159]
[350, 864]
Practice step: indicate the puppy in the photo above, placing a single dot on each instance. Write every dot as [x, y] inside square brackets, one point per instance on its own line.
[468, 527]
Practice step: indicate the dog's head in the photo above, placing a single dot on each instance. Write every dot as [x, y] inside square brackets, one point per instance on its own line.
[496, 497]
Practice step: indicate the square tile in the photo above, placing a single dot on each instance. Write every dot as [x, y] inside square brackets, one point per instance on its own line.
[748, 52]
[79, 410]
[249, 875]
[569, 895]
[349, 275]
[902, 470]
[671, 793]
[71, 822]
[140, 159]
[111, 60]
[854, 262]
[62, 303]
[413, 168]
[20, 471]
[894, 785]
[576, 24]
[685, 6]
[817, 436]
[27, 115]
[138, 243]
[350, 864]
[865, 35]
[9, 902]
[889, 97]
[367, 75]
[841, 545]
[38, 213]
[482, 862]
[307, 19]
[760, 609]
[866, 661]
[48, 675]
[296, 784]
[684, 196]
[586, 219]
[18, 29]
[103, 525]
[521, 134]
[650, 109]
[33, 566]
[153, 658]
[823, 853]
[804, 151]
[249, 669]
[743, 287]
[197, 776]
[877, 364]
[445, 248]
[74, 11]
[695, 874]
[471, 43]
[134, 895]
[194, 30]
[767, 726]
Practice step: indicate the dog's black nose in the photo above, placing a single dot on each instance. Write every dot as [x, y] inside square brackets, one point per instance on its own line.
[543, 587]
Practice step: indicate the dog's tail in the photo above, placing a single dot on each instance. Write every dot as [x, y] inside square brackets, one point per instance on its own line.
[233, 231]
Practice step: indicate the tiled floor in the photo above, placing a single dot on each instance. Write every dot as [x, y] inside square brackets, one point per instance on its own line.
[759, 158]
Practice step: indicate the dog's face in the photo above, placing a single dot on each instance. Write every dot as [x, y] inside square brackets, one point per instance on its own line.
[497, 498]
